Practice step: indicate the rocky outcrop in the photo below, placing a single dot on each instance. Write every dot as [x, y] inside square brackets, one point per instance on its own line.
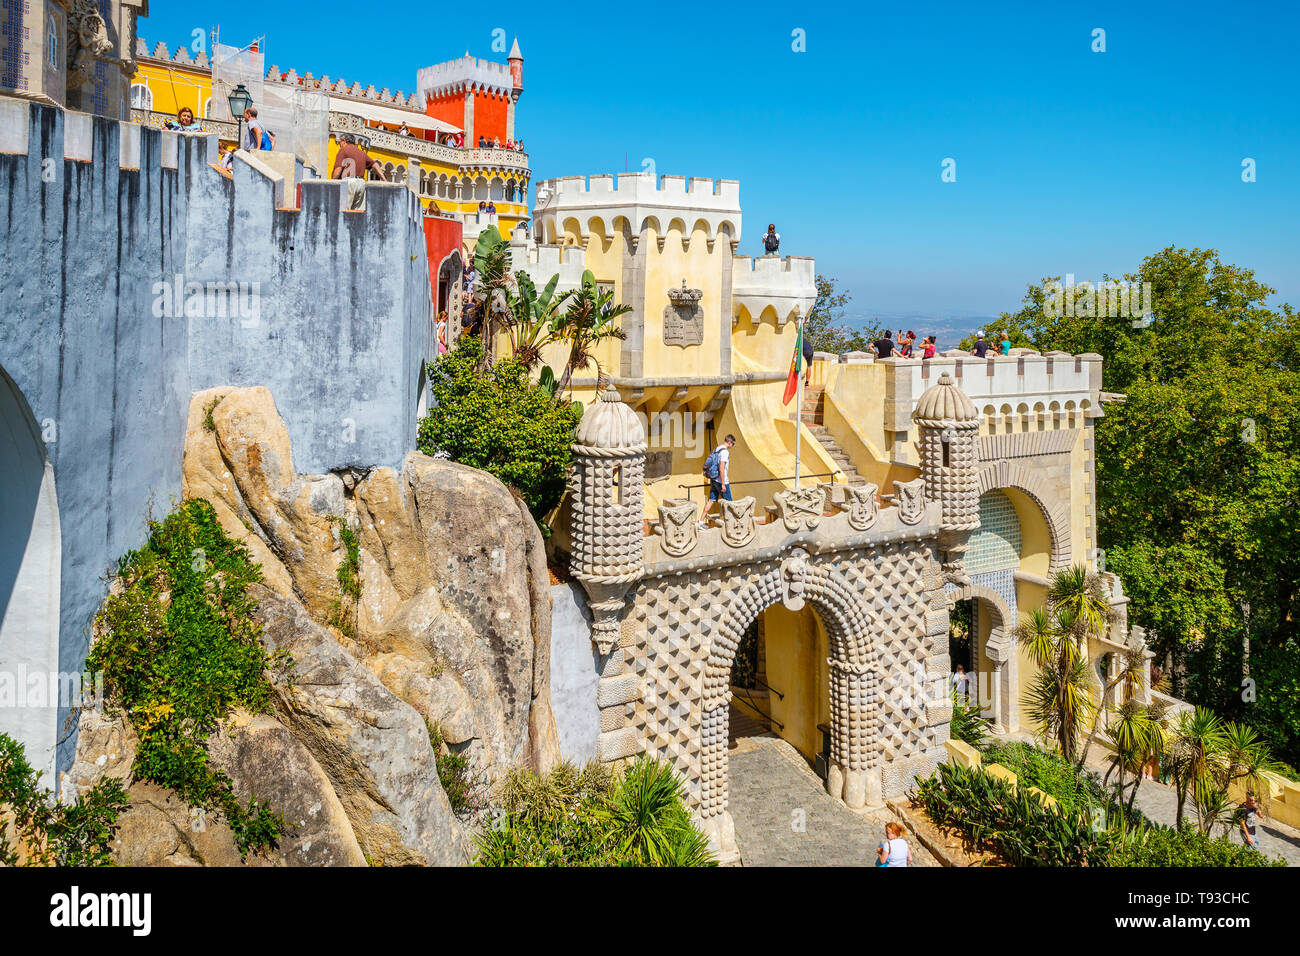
[452, 629]
[454, 614]
[373, 746]
[261, 757]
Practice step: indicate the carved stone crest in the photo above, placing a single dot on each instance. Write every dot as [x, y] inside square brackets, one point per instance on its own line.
[794, 570]
[87, 41]
[680, 532]
[683, 317]
[863, 508]
[801, 508]
[738, 522]
[910, 498]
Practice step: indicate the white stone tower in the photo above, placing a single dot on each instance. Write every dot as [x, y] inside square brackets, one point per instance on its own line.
[948, 426]
[605, 494]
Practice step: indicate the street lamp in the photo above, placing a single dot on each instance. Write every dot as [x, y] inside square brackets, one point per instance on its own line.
[239, 100]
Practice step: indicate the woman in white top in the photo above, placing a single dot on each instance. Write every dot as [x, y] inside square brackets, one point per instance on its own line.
[894, 851]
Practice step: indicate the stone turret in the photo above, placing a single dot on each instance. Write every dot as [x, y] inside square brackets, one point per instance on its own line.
[948, 425]
[605, 492]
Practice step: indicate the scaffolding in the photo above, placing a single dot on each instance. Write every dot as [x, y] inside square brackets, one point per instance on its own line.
[297, 118]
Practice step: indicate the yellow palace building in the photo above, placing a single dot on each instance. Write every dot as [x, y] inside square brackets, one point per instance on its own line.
[429, 139]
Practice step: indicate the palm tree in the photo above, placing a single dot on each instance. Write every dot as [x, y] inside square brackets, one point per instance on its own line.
[535, 319]
[1058, 701]
[1129, 681]
[495, 285]
[589, 320]
[1193, 749]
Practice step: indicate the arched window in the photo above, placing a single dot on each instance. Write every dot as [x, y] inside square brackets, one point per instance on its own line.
[141, 97]
[207, 108]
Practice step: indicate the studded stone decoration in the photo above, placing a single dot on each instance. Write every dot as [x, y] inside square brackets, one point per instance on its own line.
[606, 490]
[683, 317]
[801, 509]
[947, 439]
[864, 509]
[879, 605]
[738, 521]
[677, 518]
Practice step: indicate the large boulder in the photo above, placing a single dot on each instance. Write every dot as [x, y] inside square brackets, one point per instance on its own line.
[373, 747]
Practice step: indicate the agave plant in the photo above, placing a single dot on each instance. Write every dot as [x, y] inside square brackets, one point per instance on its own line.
[649, 816]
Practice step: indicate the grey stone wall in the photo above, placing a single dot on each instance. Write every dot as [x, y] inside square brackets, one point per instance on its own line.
[101, 219]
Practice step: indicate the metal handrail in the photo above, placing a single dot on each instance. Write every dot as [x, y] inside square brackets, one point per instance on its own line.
[769, 687]
[757, 481]
[749, 702]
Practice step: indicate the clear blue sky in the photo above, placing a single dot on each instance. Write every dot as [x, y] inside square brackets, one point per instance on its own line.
[1067, 160]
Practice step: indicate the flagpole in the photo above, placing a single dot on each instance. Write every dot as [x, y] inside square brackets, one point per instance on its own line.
[798, 402]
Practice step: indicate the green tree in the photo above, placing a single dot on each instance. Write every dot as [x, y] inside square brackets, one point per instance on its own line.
[1198, 473]
[499, 421]
[590, 319]
[825, 325]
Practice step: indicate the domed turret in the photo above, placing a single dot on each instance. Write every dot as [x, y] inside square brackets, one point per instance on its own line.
[948, 426]
[606, 488]
[945, 402]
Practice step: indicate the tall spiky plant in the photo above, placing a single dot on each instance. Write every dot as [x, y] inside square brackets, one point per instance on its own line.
[588, 321]
[1059, 700]
[1194, 745]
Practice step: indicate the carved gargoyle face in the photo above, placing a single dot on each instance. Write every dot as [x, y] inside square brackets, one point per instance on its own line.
[863, 508]
[738, 522]
[679, 529]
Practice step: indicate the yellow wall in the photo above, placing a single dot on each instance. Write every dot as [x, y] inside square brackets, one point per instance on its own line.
[797, 649]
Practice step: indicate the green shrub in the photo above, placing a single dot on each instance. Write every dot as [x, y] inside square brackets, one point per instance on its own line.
[591, 817]
[967, 725]
[500, 422]
[1050, 773]
[179, 650]
[1023, 830]
[54, 834]
[458, 783]
[1165, 846]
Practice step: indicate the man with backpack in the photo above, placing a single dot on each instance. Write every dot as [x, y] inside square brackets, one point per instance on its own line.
[717, 468]
[771, 240]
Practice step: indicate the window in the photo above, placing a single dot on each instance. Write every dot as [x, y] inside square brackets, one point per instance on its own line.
[52, 45]
[141, 97]
[207, 108]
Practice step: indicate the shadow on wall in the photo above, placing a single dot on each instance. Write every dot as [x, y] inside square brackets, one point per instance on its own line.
[29, 581]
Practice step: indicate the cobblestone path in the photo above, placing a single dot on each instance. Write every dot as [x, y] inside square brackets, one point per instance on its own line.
[784, 816]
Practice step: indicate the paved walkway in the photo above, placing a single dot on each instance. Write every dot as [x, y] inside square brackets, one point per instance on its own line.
[785, 817]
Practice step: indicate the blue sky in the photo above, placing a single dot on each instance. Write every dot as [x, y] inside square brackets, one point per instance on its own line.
[1066, 160]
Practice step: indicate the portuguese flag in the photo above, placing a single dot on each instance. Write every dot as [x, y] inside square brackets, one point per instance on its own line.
[796, 366]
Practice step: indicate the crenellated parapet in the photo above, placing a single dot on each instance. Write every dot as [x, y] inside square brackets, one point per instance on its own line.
[787, 285]
[630, 204]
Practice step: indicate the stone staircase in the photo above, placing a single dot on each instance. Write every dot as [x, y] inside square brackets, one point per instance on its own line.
[811, 414]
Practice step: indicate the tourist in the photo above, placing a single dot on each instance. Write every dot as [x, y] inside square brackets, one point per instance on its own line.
[184, 121]
[928, 350]
[442, 332]
[717, 468]
[961, 684]
[884, 346]
[491, 210]
[905, 343]
[226, 160]
[808, 353]
[1248, 814]
[352, 162]
[894, 851]
[771, 240]
[1004, 345]
[981, 347]
[254, 136]
[403, 131]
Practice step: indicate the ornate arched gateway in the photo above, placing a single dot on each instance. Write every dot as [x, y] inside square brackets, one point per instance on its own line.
[669, 607]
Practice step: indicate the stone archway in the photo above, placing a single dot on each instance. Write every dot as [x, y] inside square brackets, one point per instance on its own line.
[1007, 474]
[30, 561]
[1001, 652]
[853, 775]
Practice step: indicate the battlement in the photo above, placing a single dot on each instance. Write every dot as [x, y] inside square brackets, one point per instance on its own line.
[647, 189]
[339, 87]
[630, 203]
[787, 284]
[465, 73]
